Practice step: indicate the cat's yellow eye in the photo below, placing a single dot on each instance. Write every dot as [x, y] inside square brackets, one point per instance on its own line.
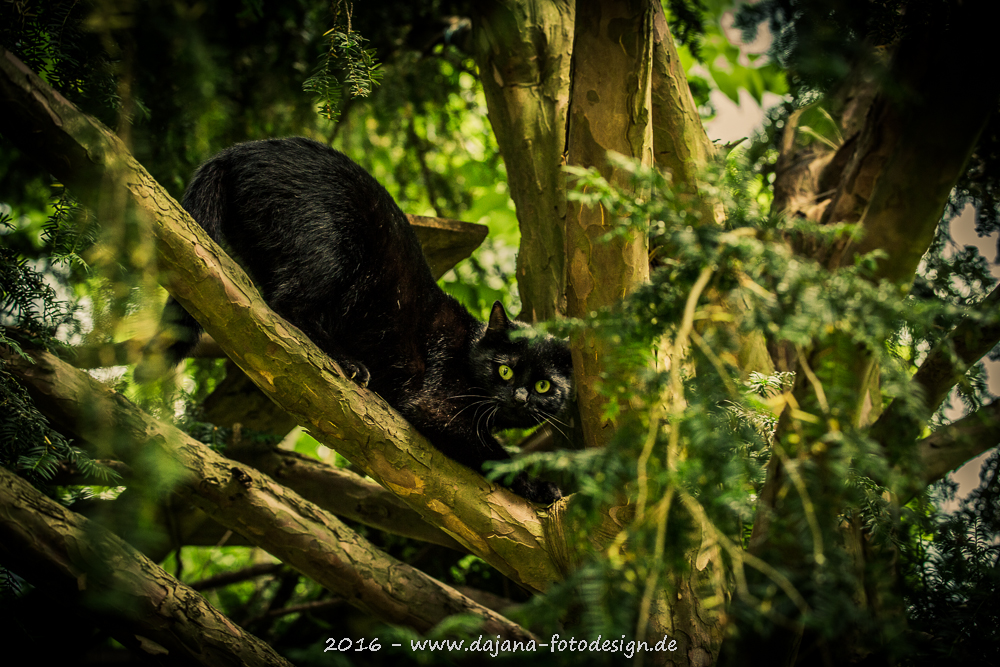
[542, 386]
[505, 372]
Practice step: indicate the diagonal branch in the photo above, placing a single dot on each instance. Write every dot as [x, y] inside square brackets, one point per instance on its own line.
[142, 606]
[506, 531]
[271, 516]
[959, 351]
[918, 137]
[958, 442]
[944, 367]
[343, 493]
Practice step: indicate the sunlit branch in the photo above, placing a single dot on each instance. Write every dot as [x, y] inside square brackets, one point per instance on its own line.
[273, 517]
[287, 367]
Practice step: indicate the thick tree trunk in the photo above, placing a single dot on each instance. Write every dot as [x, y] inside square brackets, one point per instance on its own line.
[523, 49]
[629, 95]
[609, 111]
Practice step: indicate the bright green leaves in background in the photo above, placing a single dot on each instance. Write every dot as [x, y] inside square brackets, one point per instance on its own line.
[713, 62]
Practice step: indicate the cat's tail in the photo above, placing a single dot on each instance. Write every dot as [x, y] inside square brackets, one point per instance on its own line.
[177, 335]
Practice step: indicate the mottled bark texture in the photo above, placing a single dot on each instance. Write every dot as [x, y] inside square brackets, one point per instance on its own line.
[628, 95]
[292, 529]
[68, 558]
[488, 520]
[609, 111]
[523, 50]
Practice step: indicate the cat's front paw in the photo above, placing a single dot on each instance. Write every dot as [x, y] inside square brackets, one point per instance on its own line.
[536, 490]
[355, 370]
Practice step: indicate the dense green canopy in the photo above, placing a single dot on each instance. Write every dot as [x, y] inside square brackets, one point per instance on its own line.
[778, 347]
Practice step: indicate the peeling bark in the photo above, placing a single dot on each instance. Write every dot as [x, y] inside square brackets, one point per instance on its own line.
[610, 111]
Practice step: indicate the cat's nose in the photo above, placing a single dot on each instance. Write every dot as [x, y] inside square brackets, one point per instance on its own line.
[521, 395]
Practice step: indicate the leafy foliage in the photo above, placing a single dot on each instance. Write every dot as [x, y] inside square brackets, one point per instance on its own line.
[713, 62]
[346, 53]
[694, 440]
[949, 561]
[706, 466]
[50, 37]
[31, 309]
[688, 23]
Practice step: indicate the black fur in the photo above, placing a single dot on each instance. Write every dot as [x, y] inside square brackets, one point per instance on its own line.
[332, 253]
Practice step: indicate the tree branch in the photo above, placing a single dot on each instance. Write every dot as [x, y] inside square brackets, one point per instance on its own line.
[336, 490]
[961, 349]
[680, 144]
[141, 605]
[943, 368]
[951, 446]
[343, 493]
[274, 518]
[490, 521]
[237, 401]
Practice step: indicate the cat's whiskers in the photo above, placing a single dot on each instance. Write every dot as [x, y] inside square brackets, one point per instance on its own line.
[490, 415]
[485, 400]
[554, 418]
[479, 419]
[551, 421]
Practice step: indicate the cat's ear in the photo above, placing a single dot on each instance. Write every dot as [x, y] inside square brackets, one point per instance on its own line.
[498, 319]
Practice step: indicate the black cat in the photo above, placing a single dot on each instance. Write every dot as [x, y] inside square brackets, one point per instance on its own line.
[333, 254]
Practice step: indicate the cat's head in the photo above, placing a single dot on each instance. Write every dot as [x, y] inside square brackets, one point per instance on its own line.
[528, 380]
